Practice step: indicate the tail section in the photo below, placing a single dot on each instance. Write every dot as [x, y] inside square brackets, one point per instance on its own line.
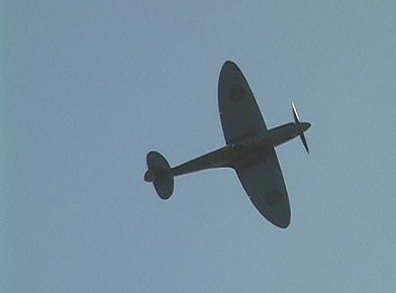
[160, 174]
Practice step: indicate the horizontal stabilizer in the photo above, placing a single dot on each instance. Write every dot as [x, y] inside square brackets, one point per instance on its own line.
[159, 172]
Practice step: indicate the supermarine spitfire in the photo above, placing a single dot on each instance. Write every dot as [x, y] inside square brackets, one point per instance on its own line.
[249, 150]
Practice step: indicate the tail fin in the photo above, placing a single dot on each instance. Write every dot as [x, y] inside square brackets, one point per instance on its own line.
[160, 174]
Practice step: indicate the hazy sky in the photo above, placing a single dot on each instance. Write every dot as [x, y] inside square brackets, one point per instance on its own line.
[89, 87]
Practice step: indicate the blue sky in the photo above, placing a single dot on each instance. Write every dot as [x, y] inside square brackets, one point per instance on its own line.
[89, 88]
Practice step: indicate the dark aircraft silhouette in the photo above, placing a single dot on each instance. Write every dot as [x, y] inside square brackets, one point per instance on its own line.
[249, 150]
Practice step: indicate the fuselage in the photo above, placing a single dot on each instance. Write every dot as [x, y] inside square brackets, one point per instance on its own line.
[243, 152]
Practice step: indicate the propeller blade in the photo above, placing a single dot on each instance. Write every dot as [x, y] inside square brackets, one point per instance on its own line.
[297, 121]
[304, 141]
[295, 114]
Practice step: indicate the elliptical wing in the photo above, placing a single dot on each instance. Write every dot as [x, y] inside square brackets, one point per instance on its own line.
[241, 119]
[264, 184]
[240, 116]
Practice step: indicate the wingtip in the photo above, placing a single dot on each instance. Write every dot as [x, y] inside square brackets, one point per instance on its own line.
[229, 62]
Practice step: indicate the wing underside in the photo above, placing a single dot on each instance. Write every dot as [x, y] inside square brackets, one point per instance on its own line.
[241, 119]
[240, 116]
[264, 184]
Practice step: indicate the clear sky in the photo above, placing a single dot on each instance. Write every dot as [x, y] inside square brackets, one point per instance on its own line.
[89, 87]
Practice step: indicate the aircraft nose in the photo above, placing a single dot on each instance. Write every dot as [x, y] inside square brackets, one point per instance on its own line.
[305, 126]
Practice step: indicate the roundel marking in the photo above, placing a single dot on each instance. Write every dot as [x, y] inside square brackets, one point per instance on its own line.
[237, 92]
[273, 198]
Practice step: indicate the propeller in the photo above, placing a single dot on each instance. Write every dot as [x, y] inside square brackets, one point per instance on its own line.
[307, 125]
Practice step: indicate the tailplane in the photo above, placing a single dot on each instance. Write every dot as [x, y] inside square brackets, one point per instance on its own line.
[159, 172]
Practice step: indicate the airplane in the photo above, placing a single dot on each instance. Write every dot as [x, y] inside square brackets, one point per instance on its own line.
[249, 150]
